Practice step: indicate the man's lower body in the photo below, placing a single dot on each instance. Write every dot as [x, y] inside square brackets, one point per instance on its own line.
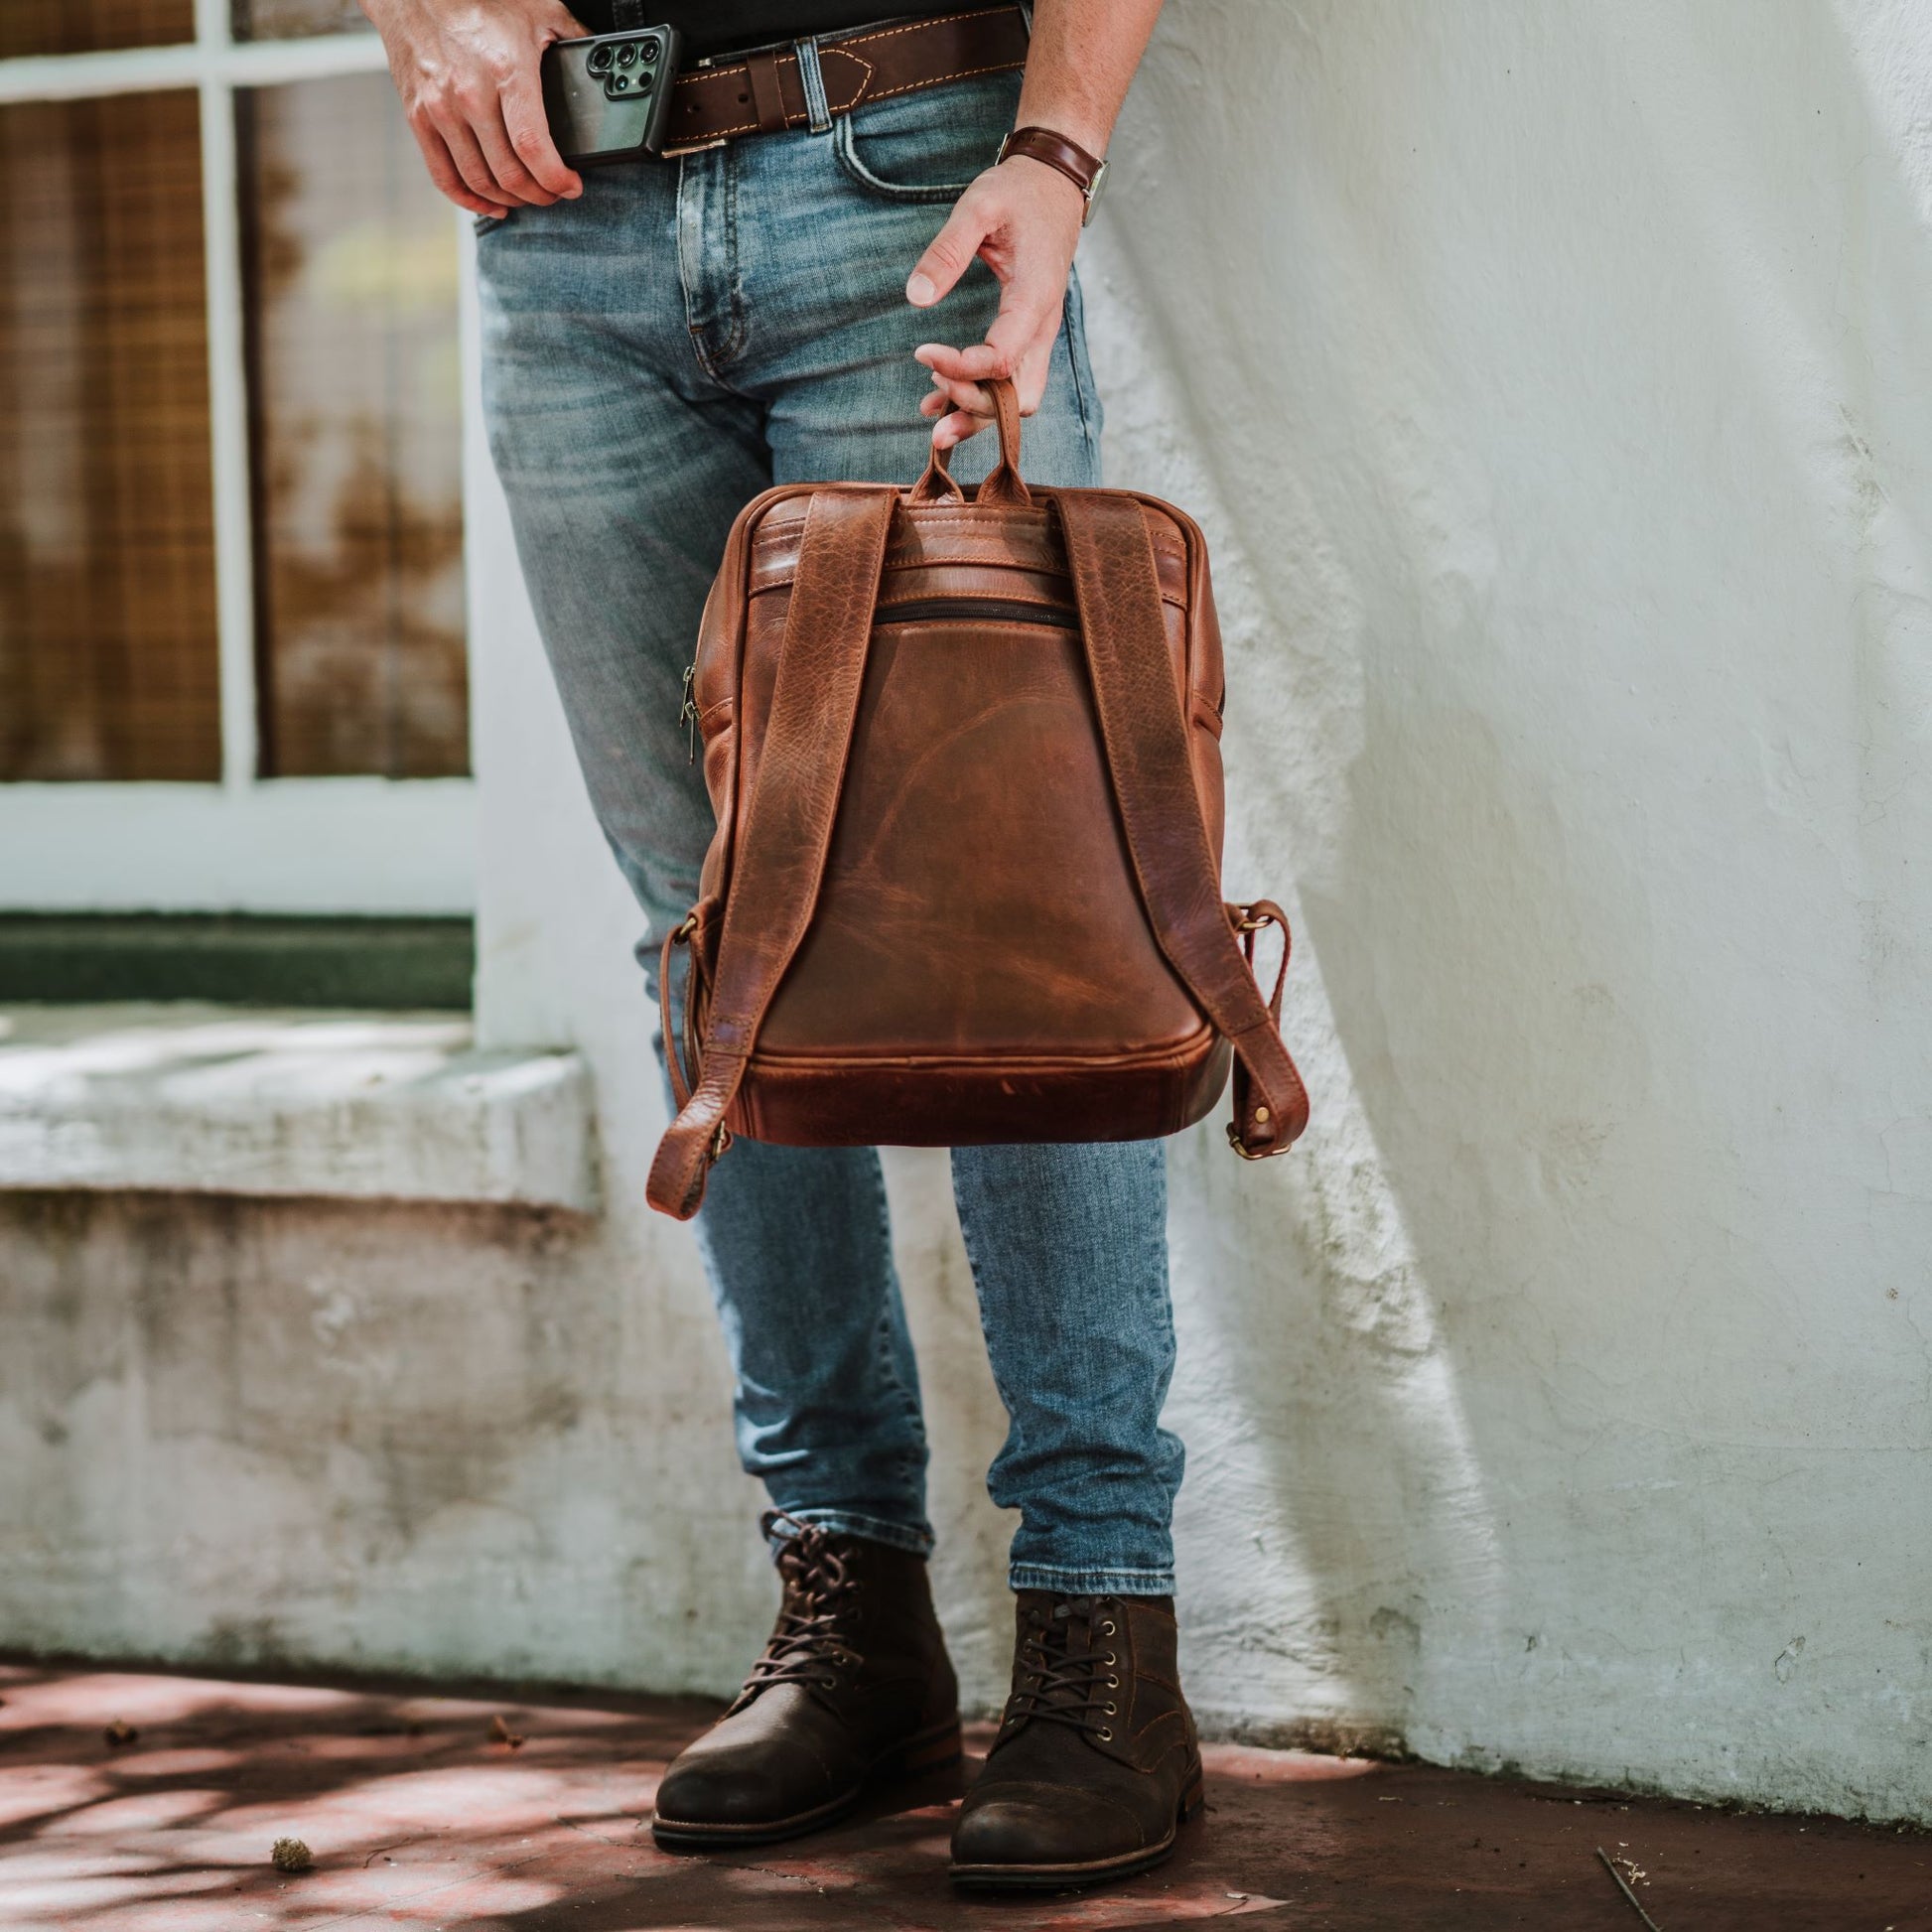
[655, 353]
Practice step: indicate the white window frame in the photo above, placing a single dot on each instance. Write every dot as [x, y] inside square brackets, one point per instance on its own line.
[351, 845]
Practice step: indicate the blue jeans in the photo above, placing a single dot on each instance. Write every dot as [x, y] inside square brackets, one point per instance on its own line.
[655, 353]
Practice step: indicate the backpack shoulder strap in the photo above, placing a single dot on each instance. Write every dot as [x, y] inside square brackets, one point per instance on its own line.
[1146, 738]
[786, 833]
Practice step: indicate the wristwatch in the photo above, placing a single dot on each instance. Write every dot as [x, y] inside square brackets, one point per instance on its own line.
[1086, 172]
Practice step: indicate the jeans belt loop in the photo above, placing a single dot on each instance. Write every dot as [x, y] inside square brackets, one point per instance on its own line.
[813, 77]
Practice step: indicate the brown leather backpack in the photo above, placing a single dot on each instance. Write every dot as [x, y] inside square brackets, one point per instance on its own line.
[964, 749]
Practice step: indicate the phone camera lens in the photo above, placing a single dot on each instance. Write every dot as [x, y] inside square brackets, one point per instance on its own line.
[600, 61]
[649, 51]
[628, 55]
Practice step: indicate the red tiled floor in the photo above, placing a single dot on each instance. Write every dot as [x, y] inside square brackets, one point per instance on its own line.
[418, 1818]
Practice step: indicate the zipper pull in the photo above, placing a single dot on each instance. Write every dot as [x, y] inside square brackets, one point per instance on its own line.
[688, 715]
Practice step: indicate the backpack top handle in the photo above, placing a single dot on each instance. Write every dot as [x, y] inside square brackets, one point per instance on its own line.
[1003, 486]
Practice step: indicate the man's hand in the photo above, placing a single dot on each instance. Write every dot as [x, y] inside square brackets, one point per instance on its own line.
[1022, 220]
[466, 72]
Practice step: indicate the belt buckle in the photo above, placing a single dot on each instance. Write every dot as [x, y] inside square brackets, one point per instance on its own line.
[694, 147]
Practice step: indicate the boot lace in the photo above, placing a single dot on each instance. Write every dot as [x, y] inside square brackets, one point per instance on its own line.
[811, 1641]
[1065, 1672]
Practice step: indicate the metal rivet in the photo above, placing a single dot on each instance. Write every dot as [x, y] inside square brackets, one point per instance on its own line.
[1262, 1113]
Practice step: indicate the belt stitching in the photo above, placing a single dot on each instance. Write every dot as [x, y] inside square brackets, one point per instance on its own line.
[860, 98]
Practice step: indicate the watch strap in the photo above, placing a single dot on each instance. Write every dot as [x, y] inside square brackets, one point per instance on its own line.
[1064, 157]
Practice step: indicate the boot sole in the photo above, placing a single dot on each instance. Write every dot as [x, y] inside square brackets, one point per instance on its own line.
[926, 1751]
[1095, 1871]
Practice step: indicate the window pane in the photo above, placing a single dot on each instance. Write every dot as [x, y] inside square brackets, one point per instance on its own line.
[285, 20]
[352, 283]
[109, 661]
[92, 26]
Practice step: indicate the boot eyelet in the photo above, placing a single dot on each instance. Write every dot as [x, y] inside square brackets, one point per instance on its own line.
[1106, 1629]
[1105, 1735]
[1113, 1683]
[1110, 1660]
[1112, 1710]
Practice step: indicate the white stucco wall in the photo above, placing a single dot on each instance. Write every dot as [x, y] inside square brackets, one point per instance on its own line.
[1553, 382]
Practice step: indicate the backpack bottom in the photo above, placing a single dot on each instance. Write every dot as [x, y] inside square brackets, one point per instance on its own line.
[927, 1100]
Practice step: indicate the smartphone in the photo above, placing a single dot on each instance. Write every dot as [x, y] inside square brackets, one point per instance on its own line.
[608, 97]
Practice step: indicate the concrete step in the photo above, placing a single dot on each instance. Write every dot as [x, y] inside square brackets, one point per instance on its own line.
[297, 1101]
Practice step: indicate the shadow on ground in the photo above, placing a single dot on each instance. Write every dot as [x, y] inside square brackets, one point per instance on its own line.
[421, 1813]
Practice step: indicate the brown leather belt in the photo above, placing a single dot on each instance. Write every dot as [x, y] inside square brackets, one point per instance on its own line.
[764, 92]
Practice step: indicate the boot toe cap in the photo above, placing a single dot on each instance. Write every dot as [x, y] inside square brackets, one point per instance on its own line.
[1043, 1825]
[743, 1788]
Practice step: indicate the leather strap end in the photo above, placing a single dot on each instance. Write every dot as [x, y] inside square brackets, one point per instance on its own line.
[1270, 1105]
[1262, 1126]
[693, 1142]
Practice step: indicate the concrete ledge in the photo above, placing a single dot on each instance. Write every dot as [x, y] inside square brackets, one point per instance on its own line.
[220, 1100]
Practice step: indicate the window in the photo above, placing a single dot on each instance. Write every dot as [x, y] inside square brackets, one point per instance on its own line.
[232, 665]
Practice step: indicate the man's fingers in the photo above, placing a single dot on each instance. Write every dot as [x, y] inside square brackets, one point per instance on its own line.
[442, 171]
[978, 363]
[515, 180]
[471, 166]
[948, 257]
[951, 431]
[969, 397]
[529, 134]
[1023, 332]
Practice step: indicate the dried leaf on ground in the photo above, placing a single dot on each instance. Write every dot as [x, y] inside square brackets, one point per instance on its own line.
[501, 1734]
[120, 1733]
[291, 1855]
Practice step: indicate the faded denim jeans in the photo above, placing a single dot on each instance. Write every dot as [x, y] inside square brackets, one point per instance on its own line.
[655, 353]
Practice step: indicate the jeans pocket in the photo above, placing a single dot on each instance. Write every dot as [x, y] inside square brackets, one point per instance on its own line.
[487, 224]
[926, 146]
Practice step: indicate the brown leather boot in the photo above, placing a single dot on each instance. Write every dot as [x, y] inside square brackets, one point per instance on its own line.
[1097, 1765]
[855, 1684]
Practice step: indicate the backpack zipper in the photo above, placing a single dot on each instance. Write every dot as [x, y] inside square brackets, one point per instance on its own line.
[688, 715]
[976, 609]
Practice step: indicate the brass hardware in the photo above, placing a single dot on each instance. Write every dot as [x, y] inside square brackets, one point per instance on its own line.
[1262, 1113]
